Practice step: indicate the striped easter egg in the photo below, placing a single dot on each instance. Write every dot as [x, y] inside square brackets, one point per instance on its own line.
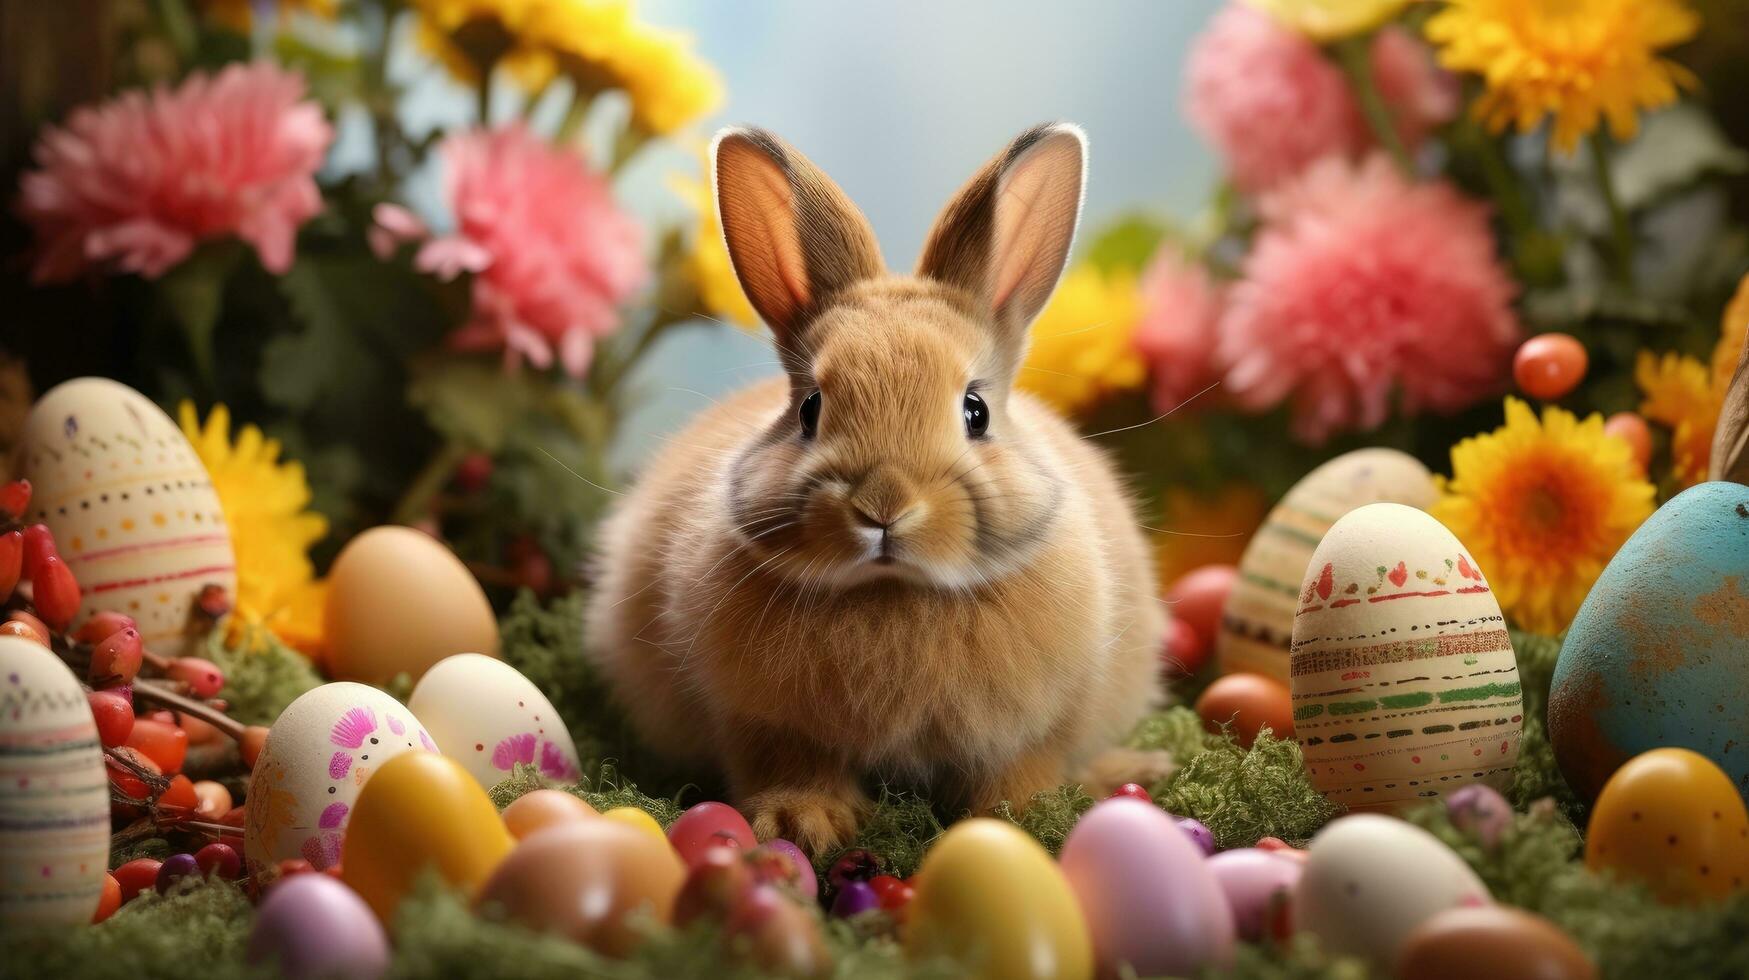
[54, 793]
[1405, 685]
[132, 508]
[1258, 619]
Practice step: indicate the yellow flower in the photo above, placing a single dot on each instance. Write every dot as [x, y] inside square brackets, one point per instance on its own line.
[1733, 334]
[1580, 61]
[472, 36]
[1197, 529]
[1543, 506]
[1679, 394]
[1330, 20]
[707, 264]
[670, 86]
[1082, 346]
[264, 501]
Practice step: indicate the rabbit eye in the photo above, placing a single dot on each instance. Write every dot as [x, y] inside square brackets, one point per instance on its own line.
[810, 414]
[977, 414]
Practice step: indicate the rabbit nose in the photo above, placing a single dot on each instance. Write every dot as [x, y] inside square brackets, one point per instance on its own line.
[865, 519]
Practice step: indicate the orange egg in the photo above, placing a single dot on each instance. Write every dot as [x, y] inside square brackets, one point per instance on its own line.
[1549, 365]
[1672, 819]
[544, 808]
[1247, 703]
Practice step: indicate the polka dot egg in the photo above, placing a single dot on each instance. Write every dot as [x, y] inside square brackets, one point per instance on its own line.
[1672, 819]
[131, 506]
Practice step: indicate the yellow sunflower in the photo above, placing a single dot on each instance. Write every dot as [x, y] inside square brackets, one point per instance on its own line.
[472, 36]
[265, 503]
[1686, 396]
[1331, 20]
[1543, 505]
[1082, 347]
[1733, 333]
[707, 264]
[1579, 61]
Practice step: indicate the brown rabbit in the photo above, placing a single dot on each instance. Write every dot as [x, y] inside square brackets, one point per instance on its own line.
[888, 562]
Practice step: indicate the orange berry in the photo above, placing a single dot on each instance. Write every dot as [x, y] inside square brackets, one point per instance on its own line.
[111, 898]
[1549, 366]
[250, 745]
[214, 799]
[1632, 429]
[163, 743]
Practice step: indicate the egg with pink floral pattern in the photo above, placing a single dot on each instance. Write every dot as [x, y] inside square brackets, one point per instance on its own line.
[490, 718]
[318, 755]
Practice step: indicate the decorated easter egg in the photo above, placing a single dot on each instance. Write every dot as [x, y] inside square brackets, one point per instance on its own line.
[318, 755]
[1146, 892]
[54, 793]
[1369, 880]
[1671, 818]
[1659, 651]
[489, 718]
[131, 506]
[312, 927]
[544, 808]
[399, 602]
[1258, 886]
[590, 882]
[991, 899]
[420, 811]
[1258, 621]
[1404, 681]
[1492, 941]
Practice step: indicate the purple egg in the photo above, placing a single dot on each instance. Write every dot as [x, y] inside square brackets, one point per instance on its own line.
[312, 926]
[806, 880]
[1480, 811]
[1198, 833]
[175, 868]
[1253, 879]
[854, 898]
[1145, 888]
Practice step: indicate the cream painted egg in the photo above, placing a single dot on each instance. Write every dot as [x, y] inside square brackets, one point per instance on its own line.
[318, 755]
[489, 717]
[132, 508]
[1259, 617]
[54, 793]
[1369, 880]
[1404, 681]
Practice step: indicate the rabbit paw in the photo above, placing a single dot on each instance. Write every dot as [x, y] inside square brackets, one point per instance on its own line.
[815, 820]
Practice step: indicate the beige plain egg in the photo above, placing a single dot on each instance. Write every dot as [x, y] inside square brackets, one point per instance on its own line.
[398, 602]
[489, 718]
[54, 793]
[1258, 620]
[318, 755]
[131, 506]
[1404, 682]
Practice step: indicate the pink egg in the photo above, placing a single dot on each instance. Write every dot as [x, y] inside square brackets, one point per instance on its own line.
[1259, 887]
[709, 825]
[1149, 899]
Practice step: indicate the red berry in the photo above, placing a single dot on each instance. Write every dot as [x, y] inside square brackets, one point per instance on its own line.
[122, 779]
[215, 799]
[180, 796]
[893, 894]
[55, 592]
[102, 625]
[19, 628]
[1135, 791]
[1199, 596]
[37, 626]
[11, 562]
[473, 471]
[213, 601]
[534, 572]
[856, 865]
[165, 744]
[292, 866]
[136, 876]
[219, 859]
[1184, 652]
[117, 659]
[114, 716]
[109, 901]
[1549, 366]
[250, 745]
[39, 543]
[203, 677]
[15, 499]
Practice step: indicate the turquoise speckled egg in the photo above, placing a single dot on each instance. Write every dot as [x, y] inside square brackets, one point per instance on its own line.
[1659, 652]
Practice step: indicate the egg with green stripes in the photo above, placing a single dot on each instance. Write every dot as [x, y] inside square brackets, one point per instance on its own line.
[1258, 619]
[1405, 685]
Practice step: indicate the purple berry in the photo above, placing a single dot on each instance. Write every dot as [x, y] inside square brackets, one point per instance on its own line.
[175, 868]
[857, 865]
[854, 898]
[1199, 833]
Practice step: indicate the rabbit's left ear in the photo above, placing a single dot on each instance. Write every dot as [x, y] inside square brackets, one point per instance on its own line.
[1005, 236]
[1730, 457]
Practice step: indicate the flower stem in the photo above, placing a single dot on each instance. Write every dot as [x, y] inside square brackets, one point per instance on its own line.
[1355, 54]
[483, 95]
[416, 502]
[1621, 231]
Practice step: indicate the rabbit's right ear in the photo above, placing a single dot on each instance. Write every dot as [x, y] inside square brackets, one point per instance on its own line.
[794, 238]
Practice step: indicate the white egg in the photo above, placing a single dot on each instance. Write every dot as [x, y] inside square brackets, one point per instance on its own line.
[489, 717]
[131, 505]
[1369, 880]
[1404, 682]
[318, 754]
[54, 793]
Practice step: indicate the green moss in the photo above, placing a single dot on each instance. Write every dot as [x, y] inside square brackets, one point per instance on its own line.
[1537, 774]
[898, 830]
[262, 675]
[1049, 816]
[603, 791]
[201, 930]
[1243, 796]
[1298, 959]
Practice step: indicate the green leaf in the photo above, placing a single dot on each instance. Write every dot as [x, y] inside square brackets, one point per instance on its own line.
[1679, 146]
[1127, 243]
[194, 292]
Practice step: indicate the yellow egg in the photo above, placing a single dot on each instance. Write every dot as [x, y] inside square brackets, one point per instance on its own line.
[989, 897]
[636, 819]
[1672, 819]
[419, 811]
[398, 602]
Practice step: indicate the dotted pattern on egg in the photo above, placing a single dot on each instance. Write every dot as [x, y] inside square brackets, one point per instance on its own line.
[1257, 623]
[54, 793]
[131, 506]
[1405, 685]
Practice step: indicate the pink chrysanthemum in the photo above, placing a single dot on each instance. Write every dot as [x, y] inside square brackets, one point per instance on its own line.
[1360, 284]
[1271, 103]
[140, 180]
[1181, 307]
[553, 255]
